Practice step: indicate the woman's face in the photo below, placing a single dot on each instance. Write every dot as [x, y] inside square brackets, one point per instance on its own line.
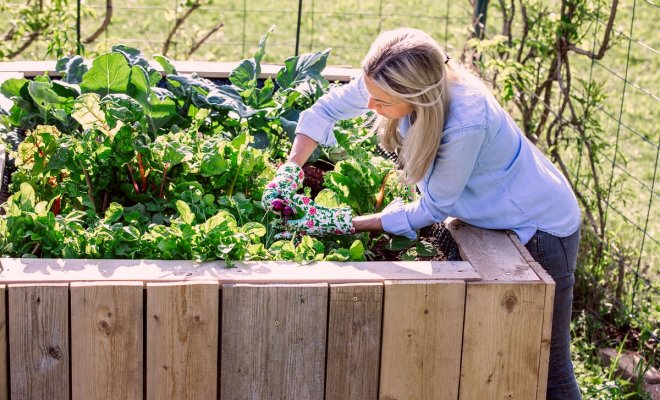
[384, 104]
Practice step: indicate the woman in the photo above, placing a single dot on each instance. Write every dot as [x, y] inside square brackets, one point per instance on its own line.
[467, 157]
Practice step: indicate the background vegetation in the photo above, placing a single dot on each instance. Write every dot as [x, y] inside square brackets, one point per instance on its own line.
[579, 76]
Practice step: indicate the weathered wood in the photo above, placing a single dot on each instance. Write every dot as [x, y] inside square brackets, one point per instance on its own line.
[107, 340]
[273, 341]
[182, 340]
[491, 253]
[354, 331]
[39, 341]
[4, 385]
[204, 69]
[55, 270]
[546, 333]
[501, 340]
[422, 328]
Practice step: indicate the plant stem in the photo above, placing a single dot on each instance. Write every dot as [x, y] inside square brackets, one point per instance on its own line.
[142, 175]
[135, 185]
[233, 181]
[162, 184]
[90, 193]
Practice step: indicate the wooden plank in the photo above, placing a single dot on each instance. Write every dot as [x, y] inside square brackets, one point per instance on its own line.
[421, 351]
[491, 253]
[546, 333]
[182, 340]
[203, 69]
[273, 341]
[19, 270]
[501, 340]
[39, 341]
[4, 384]
[354, 332]
[107, 340]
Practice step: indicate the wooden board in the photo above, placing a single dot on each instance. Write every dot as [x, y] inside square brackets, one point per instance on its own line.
[491, 253]
[107, 340]
[4, 384]
[546, 334]
[182, 340]
[421, 352]
[203, 69]
[17, 270]
[501, 340]
[273, 341]
[39, 341]
[354, 332]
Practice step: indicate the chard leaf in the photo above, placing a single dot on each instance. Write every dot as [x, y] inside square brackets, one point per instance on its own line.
[135, 58]
[113, 213]
[261, 51]
[226, 98]
[138, 87]
[244, 77]
[72, 68]
[120, 107]
[399, 243]
[357, 251]
[16, 88]
[165, 62]
[426, 249]
[87, 111]
[110, 73]
[187, 216]
[298, 69]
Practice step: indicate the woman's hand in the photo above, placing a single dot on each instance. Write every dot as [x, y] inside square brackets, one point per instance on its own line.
[278, 193]
[318, 220]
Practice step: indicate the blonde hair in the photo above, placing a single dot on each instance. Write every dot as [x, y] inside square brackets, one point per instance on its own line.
[410, 66]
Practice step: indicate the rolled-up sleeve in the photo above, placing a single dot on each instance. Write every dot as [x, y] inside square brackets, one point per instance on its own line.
[343, 102]
[444, 185]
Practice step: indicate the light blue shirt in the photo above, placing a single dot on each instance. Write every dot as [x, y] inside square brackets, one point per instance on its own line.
[486, 172]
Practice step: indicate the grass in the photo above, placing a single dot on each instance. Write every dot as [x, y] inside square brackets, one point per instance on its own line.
[629, 113]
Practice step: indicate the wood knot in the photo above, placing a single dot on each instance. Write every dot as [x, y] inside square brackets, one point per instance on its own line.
[509, 301]
[55, 352]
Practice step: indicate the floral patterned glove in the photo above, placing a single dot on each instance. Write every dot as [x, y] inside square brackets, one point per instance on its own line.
[318, 220]
[278, 192]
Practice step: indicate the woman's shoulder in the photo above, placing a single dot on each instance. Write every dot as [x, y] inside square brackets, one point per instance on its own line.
[471, 104]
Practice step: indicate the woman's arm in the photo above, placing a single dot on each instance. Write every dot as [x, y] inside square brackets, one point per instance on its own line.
[368, 223]
[303, 146]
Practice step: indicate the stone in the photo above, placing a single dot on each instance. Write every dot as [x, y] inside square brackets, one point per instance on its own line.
[653, 390]
[628, 361]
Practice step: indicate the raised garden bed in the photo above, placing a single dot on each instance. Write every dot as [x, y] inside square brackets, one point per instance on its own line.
[109, 329]
[156, 329]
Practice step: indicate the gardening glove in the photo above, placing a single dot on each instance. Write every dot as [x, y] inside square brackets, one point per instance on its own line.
[317, 220]
[278, 192]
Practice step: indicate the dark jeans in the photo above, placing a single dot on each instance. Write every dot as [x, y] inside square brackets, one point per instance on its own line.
[558, 256]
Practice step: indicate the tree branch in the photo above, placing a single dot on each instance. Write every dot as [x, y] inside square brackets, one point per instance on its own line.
[104, 24]
[177, 24]
[201, 41]
[605, 45]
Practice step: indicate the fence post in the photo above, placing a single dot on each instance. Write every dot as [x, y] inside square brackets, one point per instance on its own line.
[298, 27]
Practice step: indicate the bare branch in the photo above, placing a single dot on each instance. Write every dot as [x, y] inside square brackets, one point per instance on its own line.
[177, 24]
[104, 24]
[31, 38]
[201, 41]
[605, 44]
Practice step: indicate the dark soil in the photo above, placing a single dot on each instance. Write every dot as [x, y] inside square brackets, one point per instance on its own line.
[435, 234]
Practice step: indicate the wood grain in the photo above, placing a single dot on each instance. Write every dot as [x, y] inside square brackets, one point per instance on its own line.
[354, 332]
[107, 340]
[501, 340]
[421, 351]
[182, 340]
[17, 270]
[273, 341]
[491, 253]
[39, 341]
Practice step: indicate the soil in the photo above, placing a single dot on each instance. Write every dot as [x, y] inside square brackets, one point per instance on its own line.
[435, 234]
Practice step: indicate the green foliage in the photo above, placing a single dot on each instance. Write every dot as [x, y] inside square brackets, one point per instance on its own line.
[115, 166]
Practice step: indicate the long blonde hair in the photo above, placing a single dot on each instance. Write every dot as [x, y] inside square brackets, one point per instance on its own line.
[410, 66]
